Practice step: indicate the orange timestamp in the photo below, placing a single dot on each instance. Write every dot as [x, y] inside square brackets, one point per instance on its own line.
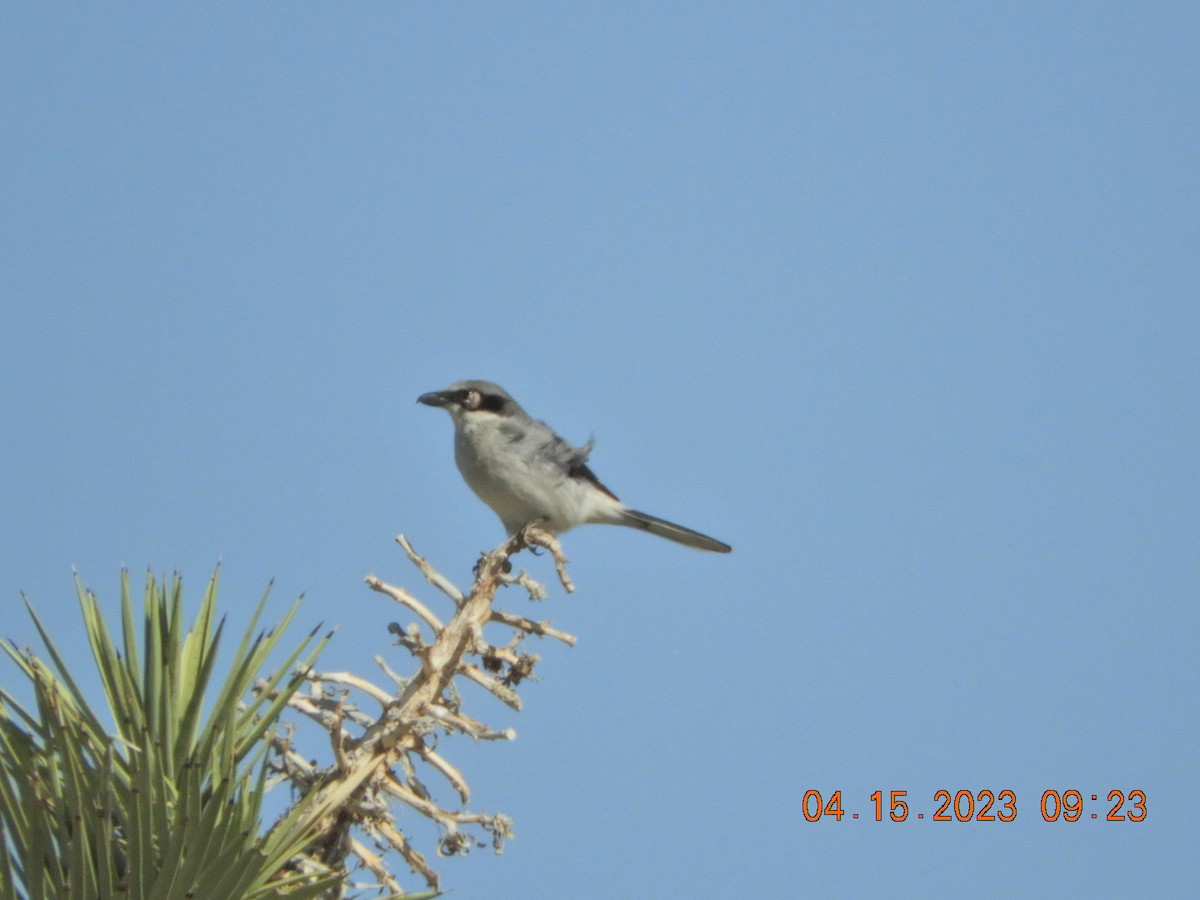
[1070, 805]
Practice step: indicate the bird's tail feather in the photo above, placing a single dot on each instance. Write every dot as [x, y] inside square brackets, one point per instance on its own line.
[671, 531]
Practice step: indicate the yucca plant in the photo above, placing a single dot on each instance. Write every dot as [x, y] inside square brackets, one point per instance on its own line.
[157, 793]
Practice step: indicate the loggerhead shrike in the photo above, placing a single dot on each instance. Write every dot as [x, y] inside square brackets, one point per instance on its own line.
[526, 473]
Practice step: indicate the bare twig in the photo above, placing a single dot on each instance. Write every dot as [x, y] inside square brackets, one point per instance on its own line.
[472, 727]
[450, 773]
[375, 758]
[402, 596]
[541, 629]
[414, 859]
[432, 575]
[537, 591]
[374, 863]
[535, 535]
[350, 680]
[505, 694]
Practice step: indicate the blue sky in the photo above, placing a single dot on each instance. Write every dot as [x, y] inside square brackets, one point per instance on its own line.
[900, 301]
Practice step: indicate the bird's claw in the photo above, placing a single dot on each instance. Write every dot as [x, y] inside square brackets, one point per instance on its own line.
[535, 535]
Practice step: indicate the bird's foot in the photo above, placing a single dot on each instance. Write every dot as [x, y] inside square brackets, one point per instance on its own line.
[535, 534]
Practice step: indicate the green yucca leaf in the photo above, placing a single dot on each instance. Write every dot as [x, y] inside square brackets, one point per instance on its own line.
[107, 856]
[56, 658]
[129, 633]
[168, 800]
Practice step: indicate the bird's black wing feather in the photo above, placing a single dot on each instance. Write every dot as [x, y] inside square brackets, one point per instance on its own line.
[574, 461]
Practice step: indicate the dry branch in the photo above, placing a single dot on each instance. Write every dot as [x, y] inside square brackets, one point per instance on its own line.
[376, 756]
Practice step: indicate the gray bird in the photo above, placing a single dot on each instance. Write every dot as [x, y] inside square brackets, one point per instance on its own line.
[526, 473]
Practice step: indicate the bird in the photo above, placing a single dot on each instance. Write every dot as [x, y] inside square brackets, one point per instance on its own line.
[527, 474]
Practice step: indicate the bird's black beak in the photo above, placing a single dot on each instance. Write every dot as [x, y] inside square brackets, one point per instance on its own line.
[434, 398]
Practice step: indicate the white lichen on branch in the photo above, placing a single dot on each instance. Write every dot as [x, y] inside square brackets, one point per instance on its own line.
[377, 754]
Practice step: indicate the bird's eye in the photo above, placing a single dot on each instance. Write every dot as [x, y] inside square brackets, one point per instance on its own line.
[471, 399]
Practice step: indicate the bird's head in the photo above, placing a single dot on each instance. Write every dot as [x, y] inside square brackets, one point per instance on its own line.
[472, 399]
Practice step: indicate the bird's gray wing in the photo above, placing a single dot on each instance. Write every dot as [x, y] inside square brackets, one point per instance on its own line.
[577, 466]
[568, 459]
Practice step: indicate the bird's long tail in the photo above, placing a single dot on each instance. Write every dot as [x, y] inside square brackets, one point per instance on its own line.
[671, 531]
